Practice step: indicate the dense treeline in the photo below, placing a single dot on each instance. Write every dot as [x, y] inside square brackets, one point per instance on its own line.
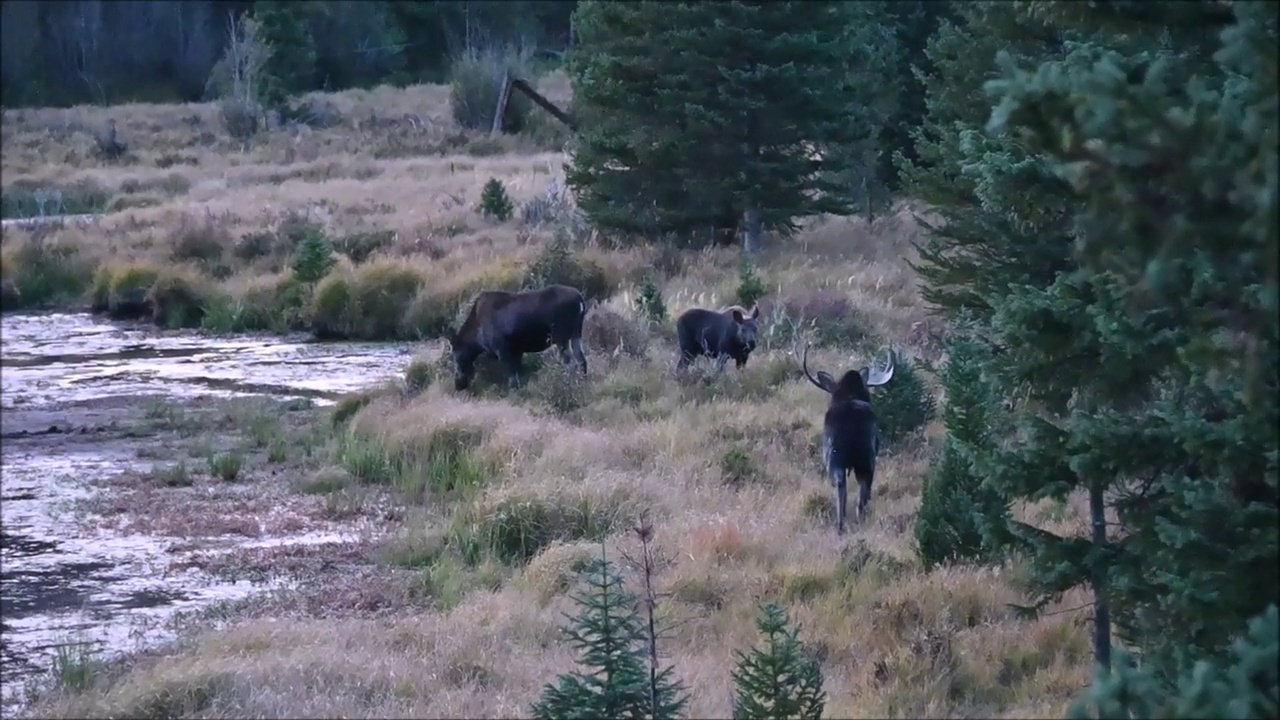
[66, 52]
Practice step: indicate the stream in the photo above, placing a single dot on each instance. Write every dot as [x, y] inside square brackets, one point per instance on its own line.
[64, 582]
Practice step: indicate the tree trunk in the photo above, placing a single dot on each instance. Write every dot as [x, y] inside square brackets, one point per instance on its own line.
[1101, 608]
[751, 230]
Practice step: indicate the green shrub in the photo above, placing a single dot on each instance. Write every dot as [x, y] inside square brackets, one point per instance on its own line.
[475, 80]
[738, 467]
[419, 374]
[226, 466]
[826, 315]
[557, 263]
[1243, 686]
[202, 240]
[177, 299]
[514, 528]
[494, 202]
[609, 332]
[360, 246]
[750, 286]
[777, 680]
[129, 289]
[334, 311]
[444, 465]
[904, 405]
[959, 519]
[39, 273]
[649, 302]
[313, 257]
[384, 290]
[615, 681]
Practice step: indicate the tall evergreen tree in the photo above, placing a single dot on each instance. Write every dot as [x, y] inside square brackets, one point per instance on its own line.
[292, 66]
[691, 112]
[1167, 328]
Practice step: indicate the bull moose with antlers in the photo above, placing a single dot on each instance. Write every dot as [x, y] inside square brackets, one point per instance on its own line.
[850, 434]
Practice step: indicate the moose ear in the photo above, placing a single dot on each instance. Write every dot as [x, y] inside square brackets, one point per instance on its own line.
[827, 382]
[755, 312]
[737, 315]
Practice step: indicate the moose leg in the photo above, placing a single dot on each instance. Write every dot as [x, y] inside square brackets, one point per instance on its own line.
[511, 361]
[839, 478]
[864, 497]
[576, 344]
[565, 356]
[721, 361]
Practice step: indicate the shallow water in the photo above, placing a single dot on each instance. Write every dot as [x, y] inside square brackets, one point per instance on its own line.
[64, 582]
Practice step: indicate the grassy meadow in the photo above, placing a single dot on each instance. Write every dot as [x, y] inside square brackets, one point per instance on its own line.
[503, 495]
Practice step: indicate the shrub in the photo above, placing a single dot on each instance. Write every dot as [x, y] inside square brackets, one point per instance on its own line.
[39, 273]
[904, 405]
[226, 466]
[475, 80]
[494, 202]
[384, 290]
[240, 118]
[557, 263]
[827, 312]
[649, 302]
[513, 528]
[313, 257]
[561, 388]
[334, 311]
[777, 680]
[419, 374]
[441, 466]
[201, 240]
[177, 299]
[750, 286]
[360, 246]
[277, 303]
[608, 331]
[610, 637]
[1243, 686]
[129, 289]
[26, 199]
[738, 467]
[957, 513]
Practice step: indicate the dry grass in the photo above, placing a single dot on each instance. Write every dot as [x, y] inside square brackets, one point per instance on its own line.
[577, 460]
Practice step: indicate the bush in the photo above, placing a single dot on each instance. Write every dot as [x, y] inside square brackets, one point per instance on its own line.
[475, 80]
[444, 465]
[202, 240]
[777, 680]
[649, 302]
[129, 290]
[738, 467]
[360, 246]
[558, 264]
[384, 290]
[313, 257]
[609, 332]
[334, 310]
[39, 273]
[957, 513]
[513, 528]
[240, 118]
[1245, 686]
[750, 287]
[561, 388]
[615, 680]
[27, 199]
[827, 313]
[177, 299]
[419, 374]
[904, 405]
[494, 202]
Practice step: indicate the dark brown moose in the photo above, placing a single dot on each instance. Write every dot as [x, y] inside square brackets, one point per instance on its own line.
[730, 333]
[507, 325]
[850, 434]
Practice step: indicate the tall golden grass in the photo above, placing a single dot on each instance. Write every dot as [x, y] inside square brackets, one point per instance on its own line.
[895, 640]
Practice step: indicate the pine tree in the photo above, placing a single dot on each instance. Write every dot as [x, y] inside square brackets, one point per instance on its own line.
[292, 66]
[494, 201]
[610, 639]
[1245, 686]
[1144, 369]
[777, 680]
[691, 112]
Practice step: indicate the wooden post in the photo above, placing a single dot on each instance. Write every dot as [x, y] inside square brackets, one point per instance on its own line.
[503, 96]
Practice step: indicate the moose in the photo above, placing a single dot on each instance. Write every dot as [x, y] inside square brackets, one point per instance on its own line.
[850, 434]
[730, 333]
[506, 325]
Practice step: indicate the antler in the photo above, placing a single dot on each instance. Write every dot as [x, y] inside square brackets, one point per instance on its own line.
[804, 364]
[881, 373]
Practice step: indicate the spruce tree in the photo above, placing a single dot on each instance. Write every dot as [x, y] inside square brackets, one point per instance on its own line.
[292, 66]
[777, 680]
[1143, 372]
[615, 679]
[691, 112]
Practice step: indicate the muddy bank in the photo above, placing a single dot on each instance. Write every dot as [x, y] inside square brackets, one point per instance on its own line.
[151, 474]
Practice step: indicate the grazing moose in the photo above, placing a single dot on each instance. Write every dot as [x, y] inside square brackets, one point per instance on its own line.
[730, 333]
[509, 324]
[850, 435]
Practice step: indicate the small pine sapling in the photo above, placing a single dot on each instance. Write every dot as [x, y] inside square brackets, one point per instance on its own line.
[750, 286]
[494, 201]
[608, 635]
[777, 680]
[650, 303]
[313, 258]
